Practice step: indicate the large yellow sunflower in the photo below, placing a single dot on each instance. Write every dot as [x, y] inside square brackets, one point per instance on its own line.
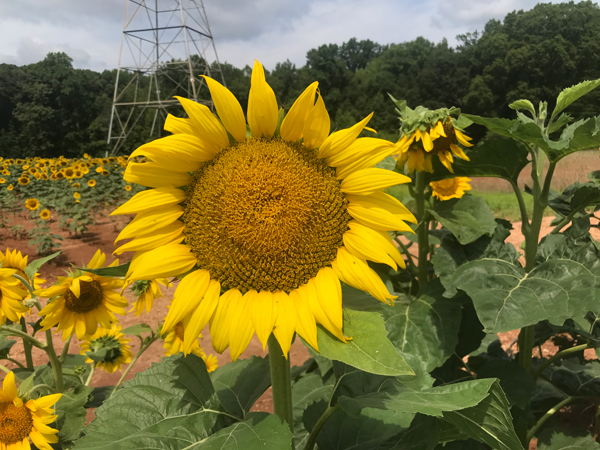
[83, 301]
[21, 421]
[112, 339]
[262, 225]
[11, 297]
[174, 344]
[146, 291]
[450, 188]
[15, 260]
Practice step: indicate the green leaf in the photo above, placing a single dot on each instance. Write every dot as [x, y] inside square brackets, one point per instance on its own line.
[506, 297]
[576, 379]
[25, 386]
[574, 198]
[562, 120]
[433, 401]
[489, 422]
[523, 104]
[515, 381]
[468, 218]
[5, 346]
[171, 405]
[569, 95]
[451, 254]
[307, 391]
[116, 271]
[369, 350]
[240, 383]
[427, 327]
[34, 266]
[137, 329]
[71, 414]
[260, 431]
[98, 396]
[552, 439]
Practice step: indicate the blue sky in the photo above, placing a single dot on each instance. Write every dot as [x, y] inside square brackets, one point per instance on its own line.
[269, 30]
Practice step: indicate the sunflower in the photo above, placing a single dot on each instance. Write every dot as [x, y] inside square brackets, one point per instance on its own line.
[21, 421]
[111, 339]
[45, 214]
[274, 221]
[11, 296]
[83, 301]
[128, 187]
[77, 195]
[99, 169]
[15, 260]
[23, 181]
[450, 188]
[91, 183]
[424, 133]
[174, 343]
[32, 204]
[2, 180]
[10, 187]
[146, 291]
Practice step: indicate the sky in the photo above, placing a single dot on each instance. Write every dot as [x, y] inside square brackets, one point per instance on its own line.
[90, 31]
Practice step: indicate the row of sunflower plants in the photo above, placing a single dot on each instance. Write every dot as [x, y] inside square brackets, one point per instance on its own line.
[276, 227]
[48, 409]
[35, 192]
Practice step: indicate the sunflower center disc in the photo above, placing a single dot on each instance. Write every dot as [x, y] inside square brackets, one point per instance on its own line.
[90, 297]
[15, 423]
[265, 215]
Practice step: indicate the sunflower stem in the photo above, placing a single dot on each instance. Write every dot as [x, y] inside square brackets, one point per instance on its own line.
[145, 345]
[280, 382]
[312, 437]
[65, 350]
[27, 346]
[422, 229]
[89, 378]
[56, 365]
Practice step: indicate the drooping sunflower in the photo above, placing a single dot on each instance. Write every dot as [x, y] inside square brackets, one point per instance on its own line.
[424, 133]
[15, 260]
[45, 214]
[11, 297]
[146, 291]
[83, 301]
[174, 344]
[266, 224]
[118, 352]
[32, 204]
[450, 188]
[21, 421]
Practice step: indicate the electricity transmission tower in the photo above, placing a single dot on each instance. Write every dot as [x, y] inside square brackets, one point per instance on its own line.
[164, 49]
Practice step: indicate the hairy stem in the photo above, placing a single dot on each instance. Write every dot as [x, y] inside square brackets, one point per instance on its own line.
[422, 230]
[65, 350]
[280, 382]
[547, 415]
[557, 356]
[56, 365]
[312, 437]
[27, 346]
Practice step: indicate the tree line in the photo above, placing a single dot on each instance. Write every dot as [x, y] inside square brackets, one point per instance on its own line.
[50, 109]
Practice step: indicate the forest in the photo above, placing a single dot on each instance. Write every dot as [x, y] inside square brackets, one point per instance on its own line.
[49, 108]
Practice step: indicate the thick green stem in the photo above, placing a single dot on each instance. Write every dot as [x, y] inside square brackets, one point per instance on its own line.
[56, 365]
[526, 337]
[65, 350]
[560, 355]
[422, 230]
[27, 346]
[547, 415]
[8, 331]
[89, 378]
[312, 437]
[280, 382]
[143, 347]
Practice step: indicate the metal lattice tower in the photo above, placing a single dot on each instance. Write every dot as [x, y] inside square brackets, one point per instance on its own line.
[164, 49]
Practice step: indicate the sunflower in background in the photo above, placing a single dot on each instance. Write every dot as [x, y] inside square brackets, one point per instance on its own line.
[111, 339]
[146, 291]
[45, 214]
[174, 344]
[450, 188]
[15, 260]
[21, 421]
[274, 219]
[424, 133]
[83, 301]
[32, 204]
[11, 295]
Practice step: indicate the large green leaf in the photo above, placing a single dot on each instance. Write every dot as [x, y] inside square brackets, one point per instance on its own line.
[574, 198]
[506, 297]
[468, 218]
[515, 381]
[494, 156]
[569, 95]
[71, 414]
[426, 326]
[369, 349]
[575, 378]
[34, 265]
[307, 391]
[171, 405]
[452, 254]
[552, 439]
[240, 383]
[260, 431]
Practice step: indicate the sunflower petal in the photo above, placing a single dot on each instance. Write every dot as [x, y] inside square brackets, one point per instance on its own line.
[262, 105]
[150, 200]
[178, 125]
[9, 387]
[317, 126]
[340, 140]
[150, 221]
[264, 315]
[367, 181]
[187, 296]
[202, 315]
[166, 261]
[228, 108]
[285, 325]
[220, 322]
[329, 293]
[306, 325]
[377, 240]
[151, 174]
[293, 125]
[241, 330]
[213, 134]
[380, 211]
